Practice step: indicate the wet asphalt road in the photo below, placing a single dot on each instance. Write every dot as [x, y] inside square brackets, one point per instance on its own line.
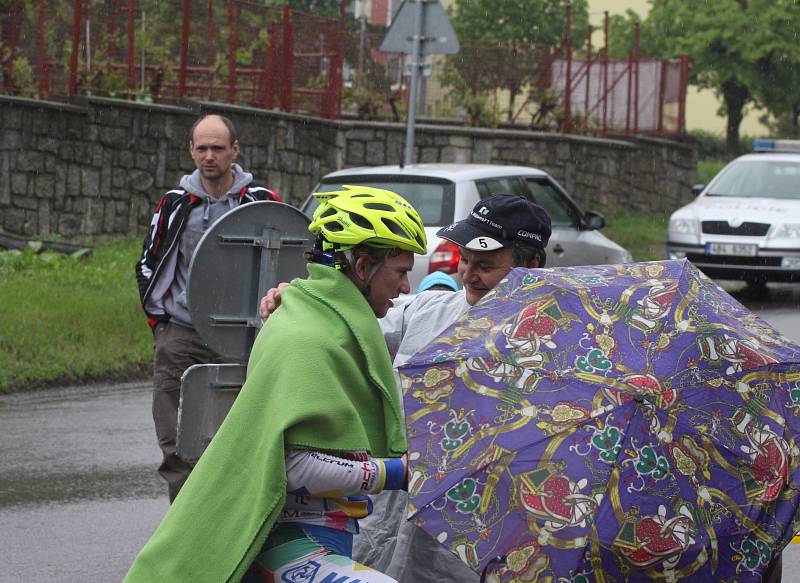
[78, 491]
[79, 495]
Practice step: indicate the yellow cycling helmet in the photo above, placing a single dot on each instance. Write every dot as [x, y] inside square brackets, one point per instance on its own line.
[372, 216]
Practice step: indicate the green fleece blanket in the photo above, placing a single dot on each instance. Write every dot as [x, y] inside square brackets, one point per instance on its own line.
[319, 377]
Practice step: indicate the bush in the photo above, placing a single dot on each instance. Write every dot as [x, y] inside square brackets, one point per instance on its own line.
[708, 169]
[711, 146]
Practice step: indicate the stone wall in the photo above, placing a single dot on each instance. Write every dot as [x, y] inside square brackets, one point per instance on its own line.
[97, 166]
[641, 175]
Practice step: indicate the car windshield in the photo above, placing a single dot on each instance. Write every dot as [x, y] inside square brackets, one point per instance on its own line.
[434, 200]
[759, 178]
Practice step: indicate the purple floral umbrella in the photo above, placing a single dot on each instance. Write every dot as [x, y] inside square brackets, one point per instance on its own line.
[607, 423]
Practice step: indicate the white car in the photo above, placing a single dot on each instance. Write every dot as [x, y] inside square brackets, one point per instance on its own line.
[746, 223]
[445, 193]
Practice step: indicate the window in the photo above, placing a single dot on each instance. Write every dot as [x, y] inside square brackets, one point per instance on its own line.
[561, 210]
[759, 178]
[505, 185]
[434, 199]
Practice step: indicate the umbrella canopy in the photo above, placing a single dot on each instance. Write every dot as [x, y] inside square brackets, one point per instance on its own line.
[607, 423]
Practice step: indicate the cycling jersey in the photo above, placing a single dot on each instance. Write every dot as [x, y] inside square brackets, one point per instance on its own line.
[300, 554]
[331, 490]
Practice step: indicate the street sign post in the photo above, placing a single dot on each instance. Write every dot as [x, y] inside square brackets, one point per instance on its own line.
[421, 28]
[438, 33]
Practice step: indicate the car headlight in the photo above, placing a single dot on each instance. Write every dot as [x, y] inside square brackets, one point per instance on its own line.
[787, 231]
[684, 226]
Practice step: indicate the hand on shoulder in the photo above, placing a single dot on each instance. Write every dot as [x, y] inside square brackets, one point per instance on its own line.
[271, 301]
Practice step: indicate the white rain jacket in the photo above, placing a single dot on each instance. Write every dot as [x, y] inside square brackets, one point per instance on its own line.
[387, 541]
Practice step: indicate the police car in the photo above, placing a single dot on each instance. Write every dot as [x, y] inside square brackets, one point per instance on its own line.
[745, 224]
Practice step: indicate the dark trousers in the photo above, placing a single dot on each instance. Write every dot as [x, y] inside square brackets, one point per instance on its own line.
[176, 349]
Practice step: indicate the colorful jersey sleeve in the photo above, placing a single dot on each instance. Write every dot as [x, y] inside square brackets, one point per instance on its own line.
[318, 474]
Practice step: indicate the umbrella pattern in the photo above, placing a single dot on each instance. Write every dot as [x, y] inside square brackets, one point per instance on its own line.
[607, 423]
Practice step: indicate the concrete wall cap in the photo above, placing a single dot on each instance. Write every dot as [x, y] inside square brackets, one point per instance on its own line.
[94, 100]
[43, 104]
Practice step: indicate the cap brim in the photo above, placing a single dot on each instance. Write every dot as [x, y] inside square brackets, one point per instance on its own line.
[470, 237]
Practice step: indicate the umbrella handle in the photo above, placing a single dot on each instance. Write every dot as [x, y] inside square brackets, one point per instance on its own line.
[497, 559]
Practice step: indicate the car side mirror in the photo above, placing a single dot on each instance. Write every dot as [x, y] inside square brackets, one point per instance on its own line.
[697, 189]
[594, 221]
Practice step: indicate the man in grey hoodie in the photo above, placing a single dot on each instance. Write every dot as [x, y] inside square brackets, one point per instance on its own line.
[162, 272]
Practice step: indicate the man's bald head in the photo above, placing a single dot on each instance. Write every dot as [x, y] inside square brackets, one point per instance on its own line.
[214, 148]
[211, 120]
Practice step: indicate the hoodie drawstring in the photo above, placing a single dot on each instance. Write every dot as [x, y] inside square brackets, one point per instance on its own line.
[206, 208]
[229, 198]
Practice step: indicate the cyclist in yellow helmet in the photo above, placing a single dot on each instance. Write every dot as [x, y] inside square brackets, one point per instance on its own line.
[317, 427]
[370, 223]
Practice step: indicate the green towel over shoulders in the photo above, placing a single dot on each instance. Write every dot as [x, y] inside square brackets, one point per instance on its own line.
[319, 377]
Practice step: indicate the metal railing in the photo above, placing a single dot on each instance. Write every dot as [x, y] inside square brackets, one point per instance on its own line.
[244, 52]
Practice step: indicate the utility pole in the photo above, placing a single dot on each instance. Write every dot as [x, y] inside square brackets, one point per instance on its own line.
[416, 63]
[419, 29]
[362, 17]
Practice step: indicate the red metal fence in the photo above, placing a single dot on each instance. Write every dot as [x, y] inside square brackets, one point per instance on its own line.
[244, 52]
[622, 97]
[560, 88]
[236, 51]
[635, 95]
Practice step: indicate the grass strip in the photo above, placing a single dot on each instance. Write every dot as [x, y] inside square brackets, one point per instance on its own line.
[643, 235]
[70, 320]
[66, 319]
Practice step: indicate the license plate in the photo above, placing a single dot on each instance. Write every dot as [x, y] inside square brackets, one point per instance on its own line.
[741, 249]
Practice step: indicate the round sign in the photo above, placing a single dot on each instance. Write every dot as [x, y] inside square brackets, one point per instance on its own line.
[247, 251]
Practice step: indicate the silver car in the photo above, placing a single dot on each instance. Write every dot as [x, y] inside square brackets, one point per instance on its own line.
[444, 193]
[746, 223]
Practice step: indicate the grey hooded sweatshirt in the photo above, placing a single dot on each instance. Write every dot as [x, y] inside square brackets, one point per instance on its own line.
[199, 220]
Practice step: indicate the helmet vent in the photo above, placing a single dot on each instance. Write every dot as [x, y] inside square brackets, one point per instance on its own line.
[414, 218]
[378, 206]
[360, 221]
[334, 226]
[395, 228]
[328, 212]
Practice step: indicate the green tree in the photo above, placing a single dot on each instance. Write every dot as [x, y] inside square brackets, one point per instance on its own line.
[776, 53]
[512, 27]
[717, 37]
[622, 34]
